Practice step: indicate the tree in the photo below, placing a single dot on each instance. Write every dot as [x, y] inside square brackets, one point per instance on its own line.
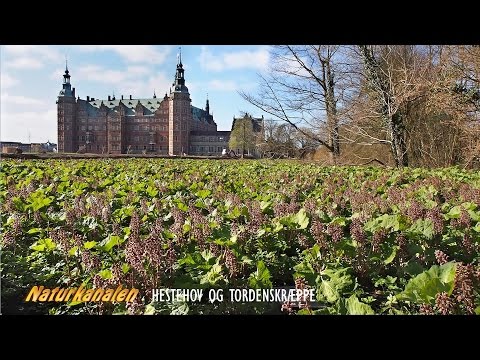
[301, 90]
[242, 135]
[391, 75]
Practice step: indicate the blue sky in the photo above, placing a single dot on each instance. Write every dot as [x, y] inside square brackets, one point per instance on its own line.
[31, 77]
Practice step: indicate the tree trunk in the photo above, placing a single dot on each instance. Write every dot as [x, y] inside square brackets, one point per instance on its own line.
[399, 146]
[331, 109]
[394, 122]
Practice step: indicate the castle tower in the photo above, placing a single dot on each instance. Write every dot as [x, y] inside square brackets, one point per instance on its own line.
[180, 113]
[66, 119]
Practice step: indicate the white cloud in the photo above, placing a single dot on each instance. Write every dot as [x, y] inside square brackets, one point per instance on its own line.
[18, 100]
[134, 53]
[132, 81]
[245, 59]
[44, 51]
[41, 126]
[7, 81]
[24, 63]
[138, 70]
[29, 56]
[100, 74]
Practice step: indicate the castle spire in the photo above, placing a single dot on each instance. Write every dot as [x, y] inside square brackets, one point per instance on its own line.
[66, 86]
[207, 107]
[154, 95]
[179, 83]
[179, 56]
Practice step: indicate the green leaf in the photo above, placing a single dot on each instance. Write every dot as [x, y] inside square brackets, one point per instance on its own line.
[261, 277]
[477, 227]
[390, 258]
[454, 212]
[301, 218]
[264, 205]
[73, 303]
[34, 231]
[186, 228]
[89, 244]
[304, 312]
[38, 247]
[203, 193]
[328, 291]
[213, 276]
[333, 283]
[474, 215]
[151, 191]
[125, 268]
[149, 310]
[422, 227]
[43, 245]
[356, 307]
[106, 273]
[182, 206]
[423, 288]
[73, 251]
[114, 240]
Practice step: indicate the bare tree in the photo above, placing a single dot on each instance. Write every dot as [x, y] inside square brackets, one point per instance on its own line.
[301, 90]
[393, 76]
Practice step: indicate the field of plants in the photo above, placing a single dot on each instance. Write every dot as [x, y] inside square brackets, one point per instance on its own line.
[368, 240]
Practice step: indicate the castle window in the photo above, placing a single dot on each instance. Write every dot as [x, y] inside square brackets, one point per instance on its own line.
[201, 148]
[175, 138]
[219, 149]
[210, 149]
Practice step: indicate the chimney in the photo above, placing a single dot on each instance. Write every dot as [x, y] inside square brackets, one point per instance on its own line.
[122, 97]
[88, 98]
[73, 91]
[93, 99]
[109, 98]
[130, 97]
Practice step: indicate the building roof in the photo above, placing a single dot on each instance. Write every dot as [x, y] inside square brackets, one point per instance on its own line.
[256, 122]
[150, 105]
[209, 133]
